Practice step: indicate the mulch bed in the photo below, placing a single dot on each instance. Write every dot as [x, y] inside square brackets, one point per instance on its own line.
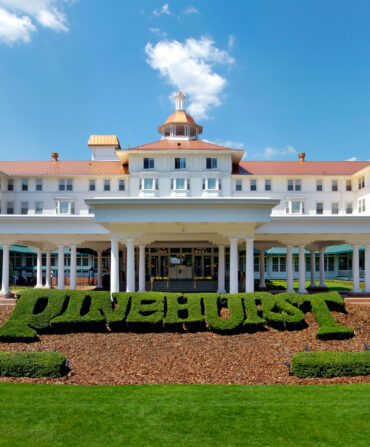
[202, 357]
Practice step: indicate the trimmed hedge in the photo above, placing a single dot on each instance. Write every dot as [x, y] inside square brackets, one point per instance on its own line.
[330, 364]
[64, 311]
[32, 364]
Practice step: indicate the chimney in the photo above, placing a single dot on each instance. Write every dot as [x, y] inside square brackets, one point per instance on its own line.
[54, 156]
[302, 156]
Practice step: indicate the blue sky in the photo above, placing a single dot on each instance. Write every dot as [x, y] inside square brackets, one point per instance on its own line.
[272, 77]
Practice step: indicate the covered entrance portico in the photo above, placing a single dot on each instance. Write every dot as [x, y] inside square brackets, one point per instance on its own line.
[182, 238]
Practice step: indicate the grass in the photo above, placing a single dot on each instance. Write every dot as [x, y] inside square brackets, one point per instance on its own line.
[332, 284]
[184, 415]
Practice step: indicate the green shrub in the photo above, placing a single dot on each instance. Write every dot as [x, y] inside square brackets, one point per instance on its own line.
[213, 305]
[329, 329]
[330, 364]
[183, 310]
[116, 319]
[34, 311]
[85, 312]
[254, 320]
[32, 364]
[280, 313]
[146, 311]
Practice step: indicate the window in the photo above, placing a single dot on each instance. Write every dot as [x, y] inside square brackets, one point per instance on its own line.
[253, 185]
[349, 208]
[92, 185]
[24, 184]
[148, 163]
[65, 185]
[9, 207]
[24, 207]
[180, 163]
[210, 184]
[65, 207]
[267, 185]
[69, 185]
[106, 185]
[293, 185]
[319, 185]
[211, 163]
[39, 184]
[361, 206]
[348, 185]
[361, 182]
[238, 185]
[121, 184]
[278, 264]
[147, 183]
[319, 208]
[294, 207]
[39, 206]
[10, 184]
[335, 208]
[334, 185]
[178, 183]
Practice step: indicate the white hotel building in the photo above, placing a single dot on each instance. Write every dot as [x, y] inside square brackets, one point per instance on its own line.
[184, 214]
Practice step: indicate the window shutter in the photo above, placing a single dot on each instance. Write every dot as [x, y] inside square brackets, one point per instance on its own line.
[204, 184]
[188, 184]
[141, 183]
[156, 184]
[171, 183]
[219, 184]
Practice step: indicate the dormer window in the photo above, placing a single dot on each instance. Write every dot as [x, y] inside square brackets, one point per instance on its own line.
[148, 163]
[180, 163]
[211, 163]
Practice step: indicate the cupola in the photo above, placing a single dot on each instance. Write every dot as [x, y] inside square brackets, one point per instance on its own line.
[180, 125]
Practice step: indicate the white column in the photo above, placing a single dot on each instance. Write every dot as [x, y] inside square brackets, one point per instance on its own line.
[221, 269]
[73, 268]
[99, 284]
[130, 265]
[322, 267]
[302, 270]
[48, 270]
[367, 269]
[234, 265]
[38, 269]
[141, 268]
[249, 266]
[262, 269]
[61, 267]
[289, 269]
[5, 274]
[114, 266]
[356, 269]
[313, 268]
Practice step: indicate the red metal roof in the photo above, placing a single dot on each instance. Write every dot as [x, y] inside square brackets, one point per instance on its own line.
[299, 167]
[63, 167]
[166, 144]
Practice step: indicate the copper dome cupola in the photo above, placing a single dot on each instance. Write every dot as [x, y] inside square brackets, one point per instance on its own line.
[180, 125]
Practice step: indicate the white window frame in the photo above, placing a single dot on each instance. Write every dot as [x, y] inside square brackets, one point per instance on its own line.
[349, 207]
[150, 161]
[39, 207]
[333, 207]
[319, 185]
[39, 184]
[70, 206]
[253, 183]
[317, 208]
[238, 185]
[212, 162]
[181, 163]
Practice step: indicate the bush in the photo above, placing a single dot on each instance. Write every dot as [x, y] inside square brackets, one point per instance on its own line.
[32, 364]
[254, 320]
[330, 364]
[329, 329]
[213, 305]
[147, 311]
[34, 310]
[183, 310]
[84, 312]
[116, 319]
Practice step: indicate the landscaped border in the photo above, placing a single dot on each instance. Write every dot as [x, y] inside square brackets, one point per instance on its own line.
[62, 311]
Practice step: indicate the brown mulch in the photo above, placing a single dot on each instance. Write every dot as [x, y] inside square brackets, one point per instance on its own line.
[202, 357]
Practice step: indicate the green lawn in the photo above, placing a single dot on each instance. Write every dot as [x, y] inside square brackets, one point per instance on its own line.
[184, 415]
[332, 284]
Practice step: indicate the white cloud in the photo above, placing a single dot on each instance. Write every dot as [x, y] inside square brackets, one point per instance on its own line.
[227, 143]
[18, 18]
[158, 32]
[13, 28]
[188, 66]
[191, 10]
[351, 159]
[273, 153]
[231, 41]
[164, 10]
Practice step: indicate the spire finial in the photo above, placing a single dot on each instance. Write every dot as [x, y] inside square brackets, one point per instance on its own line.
[180, 101]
